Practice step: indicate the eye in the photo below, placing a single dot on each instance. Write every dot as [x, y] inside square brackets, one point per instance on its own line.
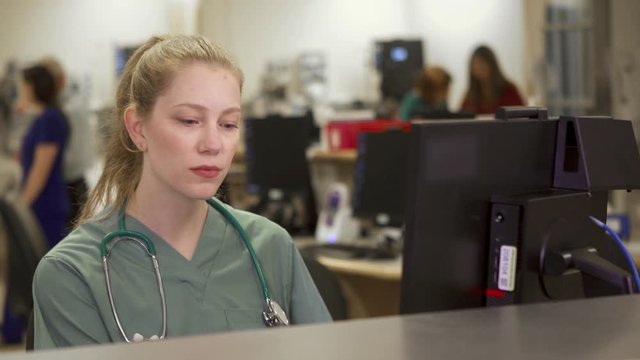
[188, 122]
[229, 125]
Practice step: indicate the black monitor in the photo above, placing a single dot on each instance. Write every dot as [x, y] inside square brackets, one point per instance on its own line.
[480, 187]
[276, 148]
[380, 177]
[426, 114]
[278, 171]
[400, 63]
[123, 53]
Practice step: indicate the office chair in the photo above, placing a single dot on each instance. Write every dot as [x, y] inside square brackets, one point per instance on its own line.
[26, 246]
[328, 286]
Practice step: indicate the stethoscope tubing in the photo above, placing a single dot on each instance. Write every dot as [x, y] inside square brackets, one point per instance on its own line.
[156, 268]
[141, 239]
[245, 238]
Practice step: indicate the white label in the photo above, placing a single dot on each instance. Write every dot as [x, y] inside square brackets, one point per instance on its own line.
[507, 268]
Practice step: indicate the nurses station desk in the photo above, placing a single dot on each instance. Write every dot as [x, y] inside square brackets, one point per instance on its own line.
[603, 328]
[371, 287]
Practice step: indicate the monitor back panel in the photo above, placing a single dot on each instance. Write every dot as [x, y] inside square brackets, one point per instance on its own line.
[276, 153]
[455, 168]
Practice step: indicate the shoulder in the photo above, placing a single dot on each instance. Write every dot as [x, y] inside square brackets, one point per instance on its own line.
[510, 94]
[410, 98]
[260, 229]
[253, 223]
[81, 248]
[510, 88]
[51, 123]
[53, 115]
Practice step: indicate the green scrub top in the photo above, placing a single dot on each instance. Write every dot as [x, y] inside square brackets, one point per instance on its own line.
[218, 290]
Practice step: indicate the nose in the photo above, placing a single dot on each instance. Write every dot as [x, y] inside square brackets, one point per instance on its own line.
[211, 140]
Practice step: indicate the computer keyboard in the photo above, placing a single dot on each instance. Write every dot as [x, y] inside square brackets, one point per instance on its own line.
[350, 251]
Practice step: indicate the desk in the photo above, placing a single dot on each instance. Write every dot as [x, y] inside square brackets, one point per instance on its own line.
[325, 168]
[371, 287]
[604, 328]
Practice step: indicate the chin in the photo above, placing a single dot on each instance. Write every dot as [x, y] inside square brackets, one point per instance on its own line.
[203, 193]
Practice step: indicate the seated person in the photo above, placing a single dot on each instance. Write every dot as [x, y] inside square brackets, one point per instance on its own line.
[174, 133]
[488, 89]
[430, 94]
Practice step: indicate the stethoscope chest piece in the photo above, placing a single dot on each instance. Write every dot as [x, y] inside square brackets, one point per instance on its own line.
[273, 315]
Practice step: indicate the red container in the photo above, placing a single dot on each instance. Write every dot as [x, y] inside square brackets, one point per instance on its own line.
[343, 135]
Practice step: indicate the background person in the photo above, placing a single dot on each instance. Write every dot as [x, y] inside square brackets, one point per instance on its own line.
[429, 96]
[488, 88]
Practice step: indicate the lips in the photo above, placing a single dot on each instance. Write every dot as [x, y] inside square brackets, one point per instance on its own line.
[207, 172]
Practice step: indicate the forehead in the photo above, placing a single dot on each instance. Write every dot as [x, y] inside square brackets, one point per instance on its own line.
[204, 84]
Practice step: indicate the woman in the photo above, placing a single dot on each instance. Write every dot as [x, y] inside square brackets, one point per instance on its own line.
[488, 87]
[79, 154]
[174, 134]
[42, 152]
[429, 96]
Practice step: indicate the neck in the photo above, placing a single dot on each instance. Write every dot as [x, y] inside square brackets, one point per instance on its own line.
[176, 219]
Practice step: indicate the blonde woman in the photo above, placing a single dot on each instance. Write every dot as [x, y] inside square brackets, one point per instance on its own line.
[174, 134]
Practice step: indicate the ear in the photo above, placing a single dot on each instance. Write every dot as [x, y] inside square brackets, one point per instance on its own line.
[135, 127]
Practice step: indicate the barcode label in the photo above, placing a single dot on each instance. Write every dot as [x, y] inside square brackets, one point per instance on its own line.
[507, 268]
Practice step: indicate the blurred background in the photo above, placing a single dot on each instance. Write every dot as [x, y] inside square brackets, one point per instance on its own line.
[334, 67]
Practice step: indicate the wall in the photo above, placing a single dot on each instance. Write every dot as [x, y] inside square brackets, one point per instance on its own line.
[452, 29]
[625, 89]
[256, 31]
[625, 51]
[81, 33]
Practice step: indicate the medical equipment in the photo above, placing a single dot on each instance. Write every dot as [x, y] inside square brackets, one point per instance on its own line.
[273, 315]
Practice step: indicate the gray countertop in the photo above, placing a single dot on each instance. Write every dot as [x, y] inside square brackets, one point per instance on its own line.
[604, 328]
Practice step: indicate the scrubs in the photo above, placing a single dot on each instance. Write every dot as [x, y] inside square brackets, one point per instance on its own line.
[52, 206]
[217, 290]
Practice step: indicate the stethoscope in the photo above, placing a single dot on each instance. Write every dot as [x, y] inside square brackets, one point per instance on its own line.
[272, 313]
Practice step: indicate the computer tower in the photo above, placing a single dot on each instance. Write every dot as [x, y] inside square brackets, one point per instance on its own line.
[528, 235]
[400, 63]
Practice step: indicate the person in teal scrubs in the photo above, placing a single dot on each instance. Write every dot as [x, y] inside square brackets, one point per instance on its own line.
[429, 96]
[173, 137]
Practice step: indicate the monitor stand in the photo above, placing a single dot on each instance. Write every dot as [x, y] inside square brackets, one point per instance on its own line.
[389, 239]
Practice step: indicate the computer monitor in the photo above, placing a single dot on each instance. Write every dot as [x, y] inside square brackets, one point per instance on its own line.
[477, 185]
[380, 177]
[123, 53]
[276, 148]
[439, 115]
[278, 171]
[399, 63]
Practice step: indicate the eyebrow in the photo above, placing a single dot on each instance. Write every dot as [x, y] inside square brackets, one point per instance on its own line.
[190, 105]
[232, 110]
[204, 108]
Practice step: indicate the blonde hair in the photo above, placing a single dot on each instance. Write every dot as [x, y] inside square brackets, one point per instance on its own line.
[146, 75]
